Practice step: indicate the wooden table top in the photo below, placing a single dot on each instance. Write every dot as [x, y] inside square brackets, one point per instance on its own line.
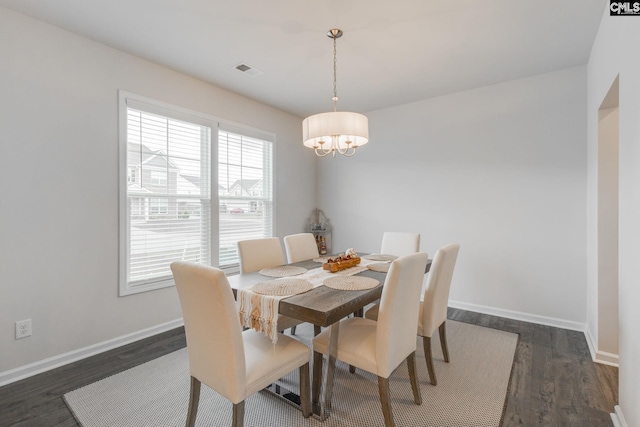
[321, 306]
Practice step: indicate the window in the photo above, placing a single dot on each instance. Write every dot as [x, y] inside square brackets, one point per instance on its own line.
[245, 190]
[158, 207]
[170, 163]
[166, 199]
[159, 177]
[132, 175]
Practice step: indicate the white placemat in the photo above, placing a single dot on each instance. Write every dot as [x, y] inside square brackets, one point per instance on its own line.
[380, 267]
[282, 287]
[283, 271]
[380, 257]
[351, 283]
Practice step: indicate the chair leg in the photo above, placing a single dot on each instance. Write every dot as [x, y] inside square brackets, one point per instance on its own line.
[305, 391]
[293, 330]
[316, 330]
[443, 342]
[413, 376]
[385, 400]
[426, 343]
[238, 414]
[194, 398]
[352, 369]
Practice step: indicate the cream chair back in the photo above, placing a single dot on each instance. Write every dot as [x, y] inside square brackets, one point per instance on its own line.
[212, 328]
[257, 254]
[301, 247]
[436, 293]
[400, 243]
[399, 306]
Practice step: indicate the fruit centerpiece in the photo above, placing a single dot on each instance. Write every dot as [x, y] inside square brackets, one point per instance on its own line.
[343, 261]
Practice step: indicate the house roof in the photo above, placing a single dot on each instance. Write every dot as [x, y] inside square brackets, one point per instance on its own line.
[149, 157]
[246, 184]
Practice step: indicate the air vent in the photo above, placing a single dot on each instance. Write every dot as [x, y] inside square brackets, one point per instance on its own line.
[250, 71]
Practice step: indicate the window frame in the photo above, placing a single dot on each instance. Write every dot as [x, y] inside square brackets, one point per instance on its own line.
[129, 100]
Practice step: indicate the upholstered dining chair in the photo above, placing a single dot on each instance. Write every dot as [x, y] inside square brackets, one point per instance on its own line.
[256, 254]
[399, 243]
[301, 247]
[433, 308]
[234, 363]
[380, 347]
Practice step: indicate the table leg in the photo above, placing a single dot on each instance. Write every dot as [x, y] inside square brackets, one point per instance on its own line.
[323, 378]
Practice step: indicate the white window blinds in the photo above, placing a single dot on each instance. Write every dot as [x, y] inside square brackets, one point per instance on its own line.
[245, 190]
[168, 196]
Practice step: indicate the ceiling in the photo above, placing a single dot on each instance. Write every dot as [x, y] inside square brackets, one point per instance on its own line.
[391, 53]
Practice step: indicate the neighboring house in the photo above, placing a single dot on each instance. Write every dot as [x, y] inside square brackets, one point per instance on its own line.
[151, 175]
[248, 188]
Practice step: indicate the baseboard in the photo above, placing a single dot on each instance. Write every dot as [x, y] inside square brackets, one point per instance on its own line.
[600, 356]
[597, 356]
[523, 317]
[618, 418]
[591, 343]
[606, 358]
[35, 368]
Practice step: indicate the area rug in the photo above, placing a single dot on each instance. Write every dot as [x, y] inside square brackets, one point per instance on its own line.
[471, 391]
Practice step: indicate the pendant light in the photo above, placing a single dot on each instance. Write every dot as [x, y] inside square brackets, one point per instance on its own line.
[337, 131]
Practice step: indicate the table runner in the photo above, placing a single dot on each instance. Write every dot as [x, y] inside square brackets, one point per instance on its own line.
[260, 312]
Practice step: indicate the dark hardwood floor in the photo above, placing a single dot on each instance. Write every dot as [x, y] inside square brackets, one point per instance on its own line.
[554, 382]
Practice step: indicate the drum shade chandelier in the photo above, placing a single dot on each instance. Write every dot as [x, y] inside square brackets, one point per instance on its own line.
[338, 131]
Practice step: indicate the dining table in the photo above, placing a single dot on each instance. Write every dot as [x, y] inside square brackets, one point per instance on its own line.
[321, 306]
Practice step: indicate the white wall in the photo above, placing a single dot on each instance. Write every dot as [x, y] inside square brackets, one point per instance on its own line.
[608, 171]
[500, 170]
[59, 185]
[611, 57]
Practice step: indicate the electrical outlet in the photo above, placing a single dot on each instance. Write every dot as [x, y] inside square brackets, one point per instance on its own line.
[23, 329]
